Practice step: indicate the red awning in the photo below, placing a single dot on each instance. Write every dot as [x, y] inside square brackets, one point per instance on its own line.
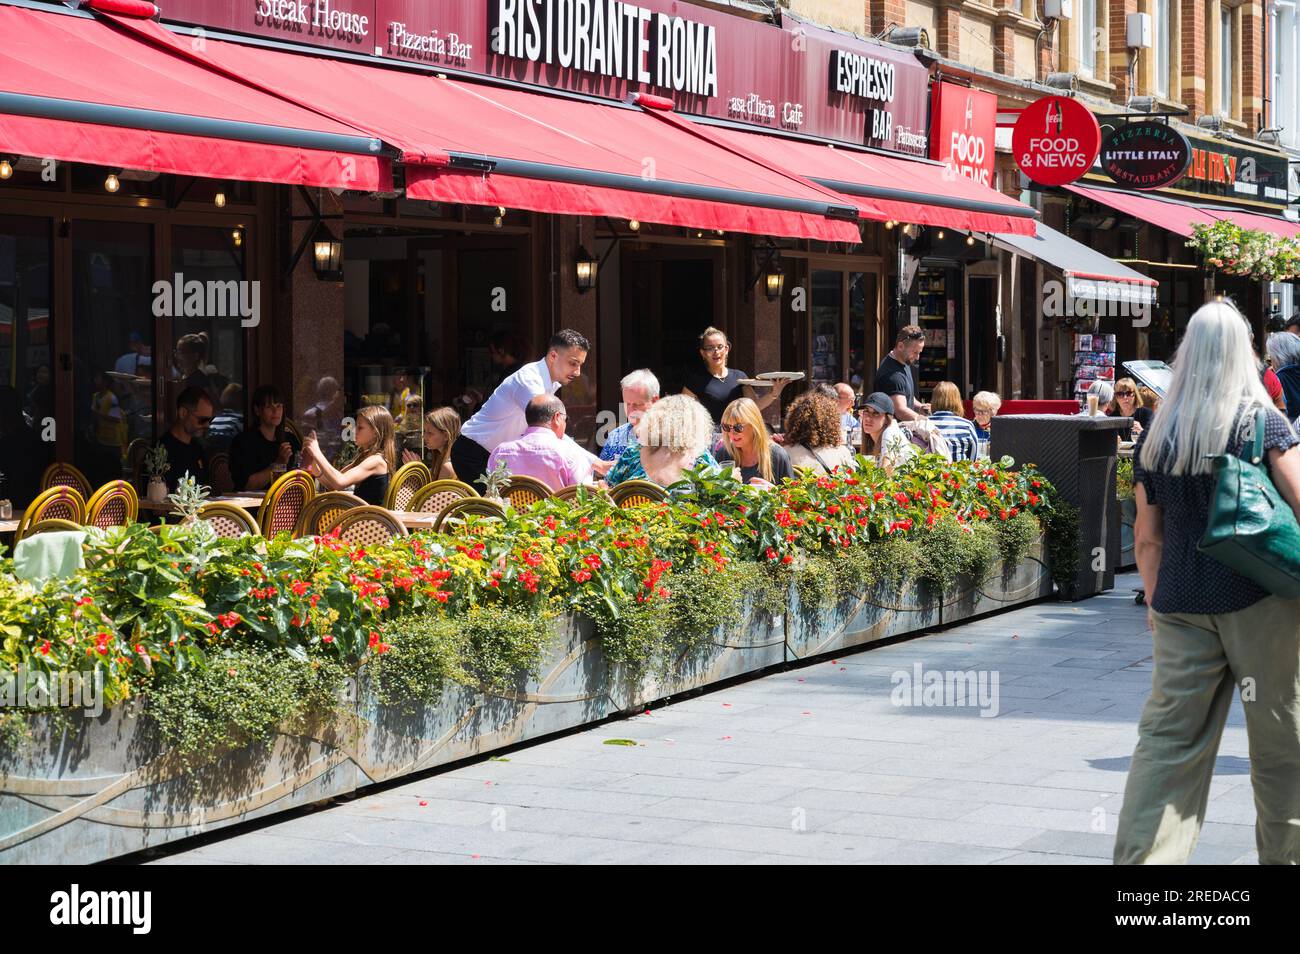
[888, 187]
[1179, 217]
[486, 145]
[80, 89]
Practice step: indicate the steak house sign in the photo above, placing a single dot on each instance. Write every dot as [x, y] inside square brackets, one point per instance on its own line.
[794, 77]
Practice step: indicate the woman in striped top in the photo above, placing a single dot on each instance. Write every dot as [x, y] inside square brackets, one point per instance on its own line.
[945, 415]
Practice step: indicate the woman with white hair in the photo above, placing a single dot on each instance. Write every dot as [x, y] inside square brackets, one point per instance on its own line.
[1284, 353]
[673, 436]
[1211, 627]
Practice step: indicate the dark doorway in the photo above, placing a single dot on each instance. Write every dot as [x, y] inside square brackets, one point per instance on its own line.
[984, 334]
[667, 302]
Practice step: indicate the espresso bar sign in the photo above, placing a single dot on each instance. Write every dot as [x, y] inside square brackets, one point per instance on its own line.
[1145, 155]
[609, 38]
[872, 80]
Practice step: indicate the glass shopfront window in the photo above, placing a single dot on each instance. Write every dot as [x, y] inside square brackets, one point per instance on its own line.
[112, 344]
[26, 356]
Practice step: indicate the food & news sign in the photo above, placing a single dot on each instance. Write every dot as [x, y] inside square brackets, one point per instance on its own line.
[795, 77]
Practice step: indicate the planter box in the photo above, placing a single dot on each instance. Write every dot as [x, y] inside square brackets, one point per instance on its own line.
[1030, 579]
[107, 788]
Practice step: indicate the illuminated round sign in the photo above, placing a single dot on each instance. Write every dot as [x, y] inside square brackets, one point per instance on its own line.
[1145, 155]
[1055, 140]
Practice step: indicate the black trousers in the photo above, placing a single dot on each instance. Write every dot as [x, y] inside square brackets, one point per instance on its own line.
[470, 461]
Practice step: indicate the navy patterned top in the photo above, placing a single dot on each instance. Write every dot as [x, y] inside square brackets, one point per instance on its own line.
[1190, 581]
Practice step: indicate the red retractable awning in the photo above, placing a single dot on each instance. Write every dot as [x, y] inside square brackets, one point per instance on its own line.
[1179, 217]
[79, 89]
[886, 187]
[486, 145]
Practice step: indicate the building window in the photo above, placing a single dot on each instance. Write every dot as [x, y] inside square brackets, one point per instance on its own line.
[1286, 77]
[1163, 26]
[1087, 20]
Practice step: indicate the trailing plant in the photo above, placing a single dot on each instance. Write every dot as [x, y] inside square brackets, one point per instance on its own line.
[1248, 252]
[1017, 536]
[241, 698]
[951, 549]
[1062, 521]
[428, 651]
[502, 646]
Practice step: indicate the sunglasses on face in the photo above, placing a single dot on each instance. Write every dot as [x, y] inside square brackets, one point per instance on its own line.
[733, 428]
[715, 348]
[1125, 394]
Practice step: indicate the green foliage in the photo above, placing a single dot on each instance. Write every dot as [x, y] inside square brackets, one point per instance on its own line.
[1124, 478]
[15, 731]
[502, 645]
[243, 696]
[701, 601]
[1063, 544]
[949, 550]
[1017, 536]
[426, 652]
[631, 632]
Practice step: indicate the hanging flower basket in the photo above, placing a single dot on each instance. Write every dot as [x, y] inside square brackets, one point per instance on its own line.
[1250, 253]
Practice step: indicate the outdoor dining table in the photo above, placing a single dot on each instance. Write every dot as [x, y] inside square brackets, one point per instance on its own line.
[11, 525]
[247, 500]
[416, 519]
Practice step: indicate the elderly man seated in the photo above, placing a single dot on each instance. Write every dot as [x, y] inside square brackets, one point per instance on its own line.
[542, 451]
[672, 436]
[640, 390]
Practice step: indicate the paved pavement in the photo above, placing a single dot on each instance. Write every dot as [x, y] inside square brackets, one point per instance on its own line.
[813, 765]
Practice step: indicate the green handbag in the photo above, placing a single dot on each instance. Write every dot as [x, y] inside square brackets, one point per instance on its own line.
[1251, 528]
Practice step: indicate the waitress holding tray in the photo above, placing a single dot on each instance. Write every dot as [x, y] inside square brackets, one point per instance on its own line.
[715, 385]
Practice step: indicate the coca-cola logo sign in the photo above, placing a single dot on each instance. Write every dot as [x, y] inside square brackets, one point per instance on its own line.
[1055, 140]
[1145, 155]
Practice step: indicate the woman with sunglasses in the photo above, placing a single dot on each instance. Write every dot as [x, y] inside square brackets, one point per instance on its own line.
[1128, 403]
[715, 385]
[745, 442]
[883, 441]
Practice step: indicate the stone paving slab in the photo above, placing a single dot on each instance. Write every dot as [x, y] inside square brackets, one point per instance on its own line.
[812, 765]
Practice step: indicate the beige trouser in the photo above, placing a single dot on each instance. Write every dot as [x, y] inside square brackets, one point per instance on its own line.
[1198, 661]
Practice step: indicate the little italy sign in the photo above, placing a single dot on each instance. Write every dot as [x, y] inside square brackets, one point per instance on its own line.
[1145, 155]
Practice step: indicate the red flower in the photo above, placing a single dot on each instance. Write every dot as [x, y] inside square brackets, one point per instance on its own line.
[592, 560]
[771, 554]
[533, 558]
[787, 559]
[299, 587]
[374, 638]
[530, 580]
[581, 575]
[229, 620]
[45, 648]
[327, 639]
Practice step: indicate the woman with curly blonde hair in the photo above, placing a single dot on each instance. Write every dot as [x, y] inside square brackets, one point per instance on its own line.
[814, 435]
[672, 436]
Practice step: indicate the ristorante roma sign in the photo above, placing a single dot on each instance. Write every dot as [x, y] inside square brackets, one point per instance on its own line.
[795, 77]
[1145, 155]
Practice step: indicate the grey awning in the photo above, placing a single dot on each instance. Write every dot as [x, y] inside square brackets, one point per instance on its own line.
[1088, 273]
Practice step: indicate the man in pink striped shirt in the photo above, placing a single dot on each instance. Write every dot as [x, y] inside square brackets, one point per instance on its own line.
[542, 451]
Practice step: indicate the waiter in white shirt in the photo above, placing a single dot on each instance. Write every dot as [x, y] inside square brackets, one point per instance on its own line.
[502, 416]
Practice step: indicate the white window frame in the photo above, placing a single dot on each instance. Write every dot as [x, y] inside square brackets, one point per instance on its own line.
[1286, 70]
[1160, 52]
[1086, 22]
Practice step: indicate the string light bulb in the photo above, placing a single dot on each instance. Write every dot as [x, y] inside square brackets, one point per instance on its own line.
[889, 224]
[970, 239]
[219, 200]
[6, 169]
[237, 236]
[112, 183]
[634, 225]
[940, 235]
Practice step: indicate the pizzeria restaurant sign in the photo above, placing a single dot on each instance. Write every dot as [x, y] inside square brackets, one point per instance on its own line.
[794, 77]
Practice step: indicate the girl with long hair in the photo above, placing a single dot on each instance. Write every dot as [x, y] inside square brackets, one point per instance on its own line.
[375, 464]
[883, 441]
[441, 428]
[745, 441]
[1211, 627]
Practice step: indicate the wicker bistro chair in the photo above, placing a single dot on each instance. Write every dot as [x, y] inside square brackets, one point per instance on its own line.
[56, 503]
[47, 526]
[367, 524]
[457, 511]
[434, 497]
[60, 474]
[219, 475]
[284, 501]
[113, 505]
[523, 492]
[228, 520]
[570, 493]
[135, 452]
[637, 493]
[323, 510]
[405, 483]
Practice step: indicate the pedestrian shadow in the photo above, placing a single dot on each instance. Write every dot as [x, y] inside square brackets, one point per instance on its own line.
[1223, 765]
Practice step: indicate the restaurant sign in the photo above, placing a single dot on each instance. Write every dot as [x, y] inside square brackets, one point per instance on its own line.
[796, 77]
[1216, 168]
[1145, 155]
[963, 126]
[1055, 140]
